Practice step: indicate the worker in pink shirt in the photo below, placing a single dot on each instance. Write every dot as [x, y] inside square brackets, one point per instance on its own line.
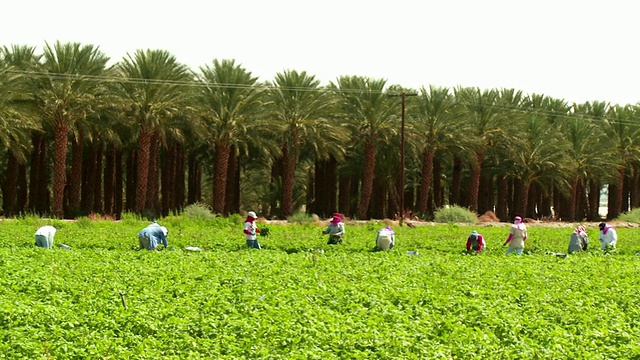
[517, 237]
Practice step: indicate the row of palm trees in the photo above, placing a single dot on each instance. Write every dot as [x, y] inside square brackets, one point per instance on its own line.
[149, 135]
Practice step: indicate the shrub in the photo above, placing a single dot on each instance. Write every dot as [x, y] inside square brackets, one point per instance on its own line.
[301, 218]
[84, 222]
[130, 218]
[455, 214]
[632, 216]
[198, 211]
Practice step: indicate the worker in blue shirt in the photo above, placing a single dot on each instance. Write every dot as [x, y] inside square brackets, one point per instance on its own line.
[153, 235]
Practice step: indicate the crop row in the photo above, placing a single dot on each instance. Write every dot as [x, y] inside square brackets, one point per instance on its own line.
[104, 299]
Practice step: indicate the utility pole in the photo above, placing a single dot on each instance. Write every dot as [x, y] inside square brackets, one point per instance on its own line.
[403, 96]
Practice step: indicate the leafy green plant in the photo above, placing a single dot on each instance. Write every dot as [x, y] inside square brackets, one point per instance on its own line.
[301, 298]
[455, 214]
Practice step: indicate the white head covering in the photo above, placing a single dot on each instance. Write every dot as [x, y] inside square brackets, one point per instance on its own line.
[164, 230]
[252, 214]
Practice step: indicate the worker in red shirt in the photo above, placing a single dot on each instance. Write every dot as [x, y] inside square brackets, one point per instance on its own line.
[475, 242]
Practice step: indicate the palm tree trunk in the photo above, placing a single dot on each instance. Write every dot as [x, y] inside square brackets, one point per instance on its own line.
[232, 199]
[474, 186]
[377, 202]
[165, 173]
[573, 199]
[194, 180]
[75, 180]
[532, 200]
[9, 186]
[615, 195]
[485, 193]
[316, 187]
[634, 188]
[344, 194]
[367, 180]
[118, 188]
[331, 185]
[89, 179]
[594, 200]
[274, 186]
[438, 191]
[456, 181]
[153, 179]
[425, 181]
[34, 170]
[582, 205]
[109, 180]
[22, 194]
[142, 178]
[179, 178]
[288, 172]
[522, 196]
[220, 177]
[132, 182]
[503, 197]
[545, 205]
[97, 191]
[624, 197]
[60, 132]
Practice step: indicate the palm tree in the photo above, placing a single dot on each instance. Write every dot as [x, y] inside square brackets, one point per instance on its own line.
[64, 96]
[370, 115]
[623, 132]
[483, 112]
[17, 117]
[435, 118]
[587, 154]
[154, 85]
[537, 147]
[299, 109]
[228, 98]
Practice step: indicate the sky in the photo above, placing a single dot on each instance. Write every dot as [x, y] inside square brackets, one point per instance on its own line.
[573, 50]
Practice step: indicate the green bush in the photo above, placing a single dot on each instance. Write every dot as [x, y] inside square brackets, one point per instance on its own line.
[632, 216]
[198, 211]
[301, 218]
[455, 214]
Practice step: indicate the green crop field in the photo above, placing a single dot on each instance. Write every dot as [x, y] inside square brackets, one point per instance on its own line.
[104, 299]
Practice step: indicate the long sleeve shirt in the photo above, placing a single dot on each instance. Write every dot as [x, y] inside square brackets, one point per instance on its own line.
[336, 230]
[250, 229]
[480, 246]
[517, 236]
[155, 234]
[608, 236]
[385, 239]
[578, 242]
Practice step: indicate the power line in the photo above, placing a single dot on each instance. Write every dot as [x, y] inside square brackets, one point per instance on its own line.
[199, 83]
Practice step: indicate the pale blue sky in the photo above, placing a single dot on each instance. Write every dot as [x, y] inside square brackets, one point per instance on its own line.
[574, 50]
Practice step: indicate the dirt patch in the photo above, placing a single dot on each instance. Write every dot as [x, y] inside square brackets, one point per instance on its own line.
[488, 217]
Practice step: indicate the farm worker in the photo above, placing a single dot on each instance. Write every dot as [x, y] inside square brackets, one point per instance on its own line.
[579, 240]
[335, 230]
[153, 235]
[608, 236]
[250, 230]
[44, 236]
[475, 242]
[517, 237]
[386, 238]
